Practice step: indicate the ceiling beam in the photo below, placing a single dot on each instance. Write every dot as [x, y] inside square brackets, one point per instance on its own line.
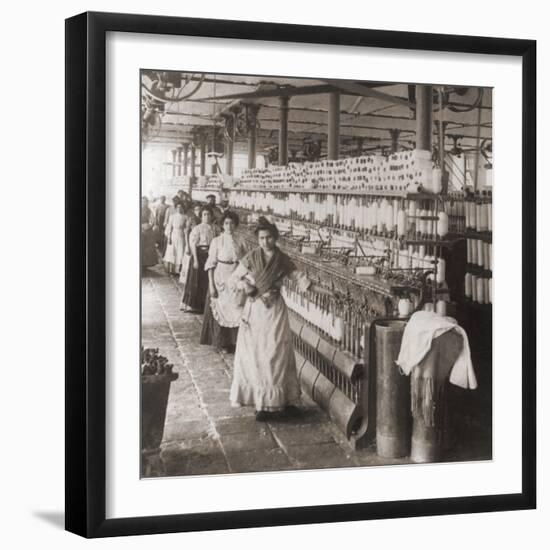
[354, 88]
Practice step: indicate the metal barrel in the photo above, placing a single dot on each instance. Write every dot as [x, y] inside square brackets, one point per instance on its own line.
[393, 394]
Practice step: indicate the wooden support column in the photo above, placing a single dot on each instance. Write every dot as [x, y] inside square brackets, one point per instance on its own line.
[333, 126]
[251, 123]
[394, 133]
[283, 130]
[174, 162]
[202, 144]
[359, 150]
[213, 149]
[185, 161]
[193, 159]
[229, 156]
[180, 160]
[193, 177]
[424, 117]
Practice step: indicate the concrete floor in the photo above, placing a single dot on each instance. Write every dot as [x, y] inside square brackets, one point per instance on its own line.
[204, 435]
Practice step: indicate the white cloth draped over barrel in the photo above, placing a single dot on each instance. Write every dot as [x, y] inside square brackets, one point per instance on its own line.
[265, 366]
[223, 257]
[422, 328]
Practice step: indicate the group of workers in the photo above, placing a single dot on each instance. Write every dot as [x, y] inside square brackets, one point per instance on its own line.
[237, 290]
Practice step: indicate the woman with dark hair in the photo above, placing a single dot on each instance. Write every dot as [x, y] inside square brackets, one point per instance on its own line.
[196, 284]
[264, 373]
[222, 312]
[149, 255]
[192, 218]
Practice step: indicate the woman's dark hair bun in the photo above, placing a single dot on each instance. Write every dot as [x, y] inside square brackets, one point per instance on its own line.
[232, 216]
[263, 224]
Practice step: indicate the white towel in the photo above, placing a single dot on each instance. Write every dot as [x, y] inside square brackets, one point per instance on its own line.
[421, 329]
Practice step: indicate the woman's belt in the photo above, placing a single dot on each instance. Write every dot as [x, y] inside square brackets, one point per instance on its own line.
[228, 263]
[203, 247]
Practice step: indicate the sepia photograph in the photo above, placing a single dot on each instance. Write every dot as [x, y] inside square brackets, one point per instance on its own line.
[316, 273]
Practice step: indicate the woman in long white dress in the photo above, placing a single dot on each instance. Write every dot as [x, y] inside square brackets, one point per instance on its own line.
[265, 366]
[175, 248]
[222, 311]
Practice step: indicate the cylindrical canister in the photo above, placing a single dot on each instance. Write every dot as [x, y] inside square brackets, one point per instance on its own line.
[428, 397]
[392, 389]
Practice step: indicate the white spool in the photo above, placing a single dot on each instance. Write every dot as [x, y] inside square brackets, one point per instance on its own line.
[480, 290]
[389, 216]
[436, 180]
[422, 225]
[442, 224]
[404, 307]
[487, 256]
[484, 217]
[473, 257]
[479, 244]
[395, 206]
[468, 285]
[474, 288]
[401, 223]
[478, 217]
[440, 271]
[472, 215]
[441, 307]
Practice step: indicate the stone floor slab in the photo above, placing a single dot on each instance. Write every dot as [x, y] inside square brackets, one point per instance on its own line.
[259, 461]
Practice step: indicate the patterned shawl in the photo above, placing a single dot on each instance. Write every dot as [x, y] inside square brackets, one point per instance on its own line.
[267, 274]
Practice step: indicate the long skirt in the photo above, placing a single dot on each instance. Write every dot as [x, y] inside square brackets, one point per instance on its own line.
[213, 334]
[196, 284]
[173, 257]
[185, 263]
[265, 366]
[149, 256]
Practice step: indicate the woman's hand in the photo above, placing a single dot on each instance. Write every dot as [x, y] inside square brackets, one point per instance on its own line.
[195, 263]
[213, 291]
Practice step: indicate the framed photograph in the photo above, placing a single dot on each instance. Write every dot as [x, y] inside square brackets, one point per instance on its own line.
[281, 242]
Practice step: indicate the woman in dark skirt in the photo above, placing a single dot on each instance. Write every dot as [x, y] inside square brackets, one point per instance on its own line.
[149, 256]
[222, 312]
[196, 284]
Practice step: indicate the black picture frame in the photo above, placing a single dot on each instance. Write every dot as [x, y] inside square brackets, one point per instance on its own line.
[86, 273]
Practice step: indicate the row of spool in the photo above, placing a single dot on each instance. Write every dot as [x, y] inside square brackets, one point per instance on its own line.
[367, 172]
[383, 216]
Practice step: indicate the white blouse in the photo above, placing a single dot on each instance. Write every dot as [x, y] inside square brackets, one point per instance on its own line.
[203, 234]
[225, 249]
